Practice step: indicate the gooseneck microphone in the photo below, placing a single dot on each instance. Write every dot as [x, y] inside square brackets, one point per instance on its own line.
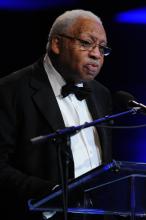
[133, 103]
[123, 100]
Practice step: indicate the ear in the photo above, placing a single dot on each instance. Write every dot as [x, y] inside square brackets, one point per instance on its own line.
[55, 45]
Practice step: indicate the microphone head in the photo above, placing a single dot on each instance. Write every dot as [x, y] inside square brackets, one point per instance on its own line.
[121, 100]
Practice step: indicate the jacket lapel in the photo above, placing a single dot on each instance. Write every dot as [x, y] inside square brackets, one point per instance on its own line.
[44, 98]
[96, 113]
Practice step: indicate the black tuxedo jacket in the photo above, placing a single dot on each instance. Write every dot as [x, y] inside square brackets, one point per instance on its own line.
[28, 108]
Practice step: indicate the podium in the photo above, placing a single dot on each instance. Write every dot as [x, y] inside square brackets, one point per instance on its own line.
[116, 188]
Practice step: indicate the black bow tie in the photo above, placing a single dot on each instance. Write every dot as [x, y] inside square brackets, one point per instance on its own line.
[80, 92]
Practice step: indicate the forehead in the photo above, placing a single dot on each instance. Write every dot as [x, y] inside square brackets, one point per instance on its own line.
[89, 26]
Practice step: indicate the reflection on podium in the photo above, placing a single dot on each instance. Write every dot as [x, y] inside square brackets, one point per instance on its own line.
[116, 188]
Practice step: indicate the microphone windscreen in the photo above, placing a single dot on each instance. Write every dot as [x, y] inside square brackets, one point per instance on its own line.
[121, 100]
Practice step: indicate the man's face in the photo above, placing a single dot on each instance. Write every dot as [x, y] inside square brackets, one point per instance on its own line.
[77, 61]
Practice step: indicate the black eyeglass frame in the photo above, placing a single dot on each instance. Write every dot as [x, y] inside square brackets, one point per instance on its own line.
[105, 51]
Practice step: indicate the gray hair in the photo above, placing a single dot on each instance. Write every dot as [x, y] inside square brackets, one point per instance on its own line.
[67, 19]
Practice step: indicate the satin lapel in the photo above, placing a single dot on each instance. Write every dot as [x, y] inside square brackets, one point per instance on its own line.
[96, 113]
[43, 96]
[93, 107]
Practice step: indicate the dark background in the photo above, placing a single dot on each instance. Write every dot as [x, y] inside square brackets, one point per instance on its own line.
[23, 37]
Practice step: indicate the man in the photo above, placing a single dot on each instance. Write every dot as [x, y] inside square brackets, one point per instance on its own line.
[35, 102]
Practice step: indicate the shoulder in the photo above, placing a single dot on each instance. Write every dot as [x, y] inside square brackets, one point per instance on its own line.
[20, 76]
[99, 88]
[17, 83]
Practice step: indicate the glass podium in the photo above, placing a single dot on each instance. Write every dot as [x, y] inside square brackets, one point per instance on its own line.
[116, 188]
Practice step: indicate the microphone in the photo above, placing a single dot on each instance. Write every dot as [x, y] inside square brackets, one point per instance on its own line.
[133, 103]
[122, 100]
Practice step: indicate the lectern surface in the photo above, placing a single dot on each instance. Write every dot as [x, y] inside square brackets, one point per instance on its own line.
[116, 188]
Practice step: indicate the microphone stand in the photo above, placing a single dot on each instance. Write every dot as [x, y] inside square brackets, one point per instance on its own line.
[62, 138]
[75, 129]
[63, 144]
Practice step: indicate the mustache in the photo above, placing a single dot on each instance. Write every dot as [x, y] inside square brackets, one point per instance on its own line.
[93, 63]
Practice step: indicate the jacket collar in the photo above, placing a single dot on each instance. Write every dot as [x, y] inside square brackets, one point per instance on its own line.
[43, 96]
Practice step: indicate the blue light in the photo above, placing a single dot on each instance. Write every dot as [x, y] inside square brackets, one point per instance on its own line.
[141, 146]
[32, 4]
[136, 16]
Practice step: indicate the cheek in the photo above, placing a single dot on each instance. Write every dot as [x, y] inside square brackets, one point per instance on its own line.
[76, 62]
[80, 60]
[79, 66]
[101, 61]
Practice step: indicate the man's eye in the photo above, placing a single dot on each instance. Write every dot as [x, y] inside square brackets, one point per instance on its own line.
[86, 43]
[102, 47]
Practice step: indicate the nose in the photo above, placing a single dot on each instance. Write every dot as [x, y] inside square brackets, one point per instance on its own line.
[96, 53]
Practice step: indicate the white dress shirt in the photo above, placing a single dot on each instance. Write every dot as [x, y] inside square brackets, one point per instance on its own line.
[85, 145]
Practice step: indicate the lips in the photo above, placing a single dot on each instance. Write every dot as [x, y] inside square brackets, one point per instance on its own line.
[92, 68]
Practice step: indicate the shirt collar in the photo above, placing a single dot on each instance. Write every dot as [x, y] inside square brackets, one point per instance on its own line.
[55, 78]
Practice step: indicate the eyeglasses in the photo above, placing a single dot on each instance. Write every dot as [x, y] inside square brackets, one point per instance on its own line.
[88, 45]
